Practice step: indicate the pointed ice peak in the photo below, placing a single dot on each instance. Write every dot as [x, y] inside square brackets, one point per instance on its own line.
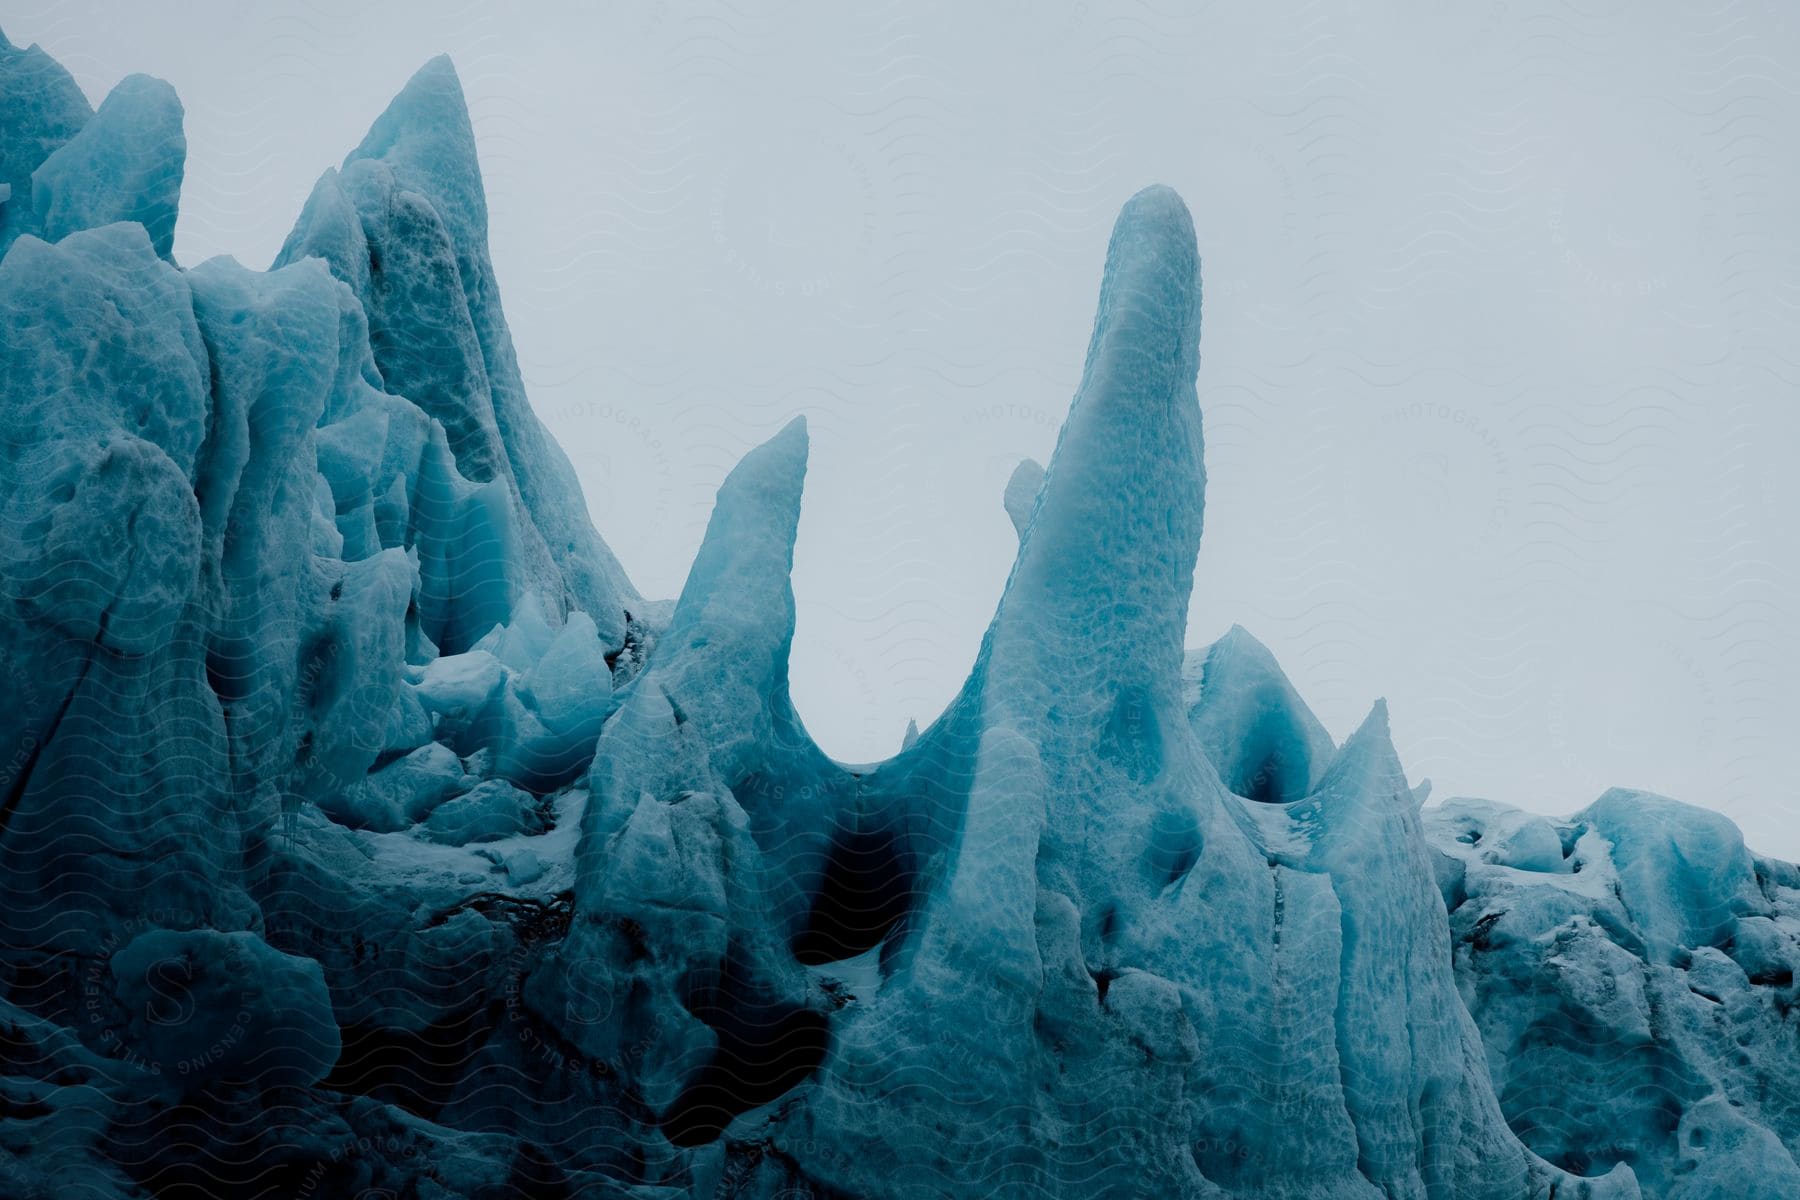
[910, 736]
[425, 144]
[329, 228]
[1260, 735]
[1367, 763]
[425, 138]
[1237, 652]
[1106, 564]
[426, 125]
[721, 668]
[126, 164]
[740, 578]
[404, 224]
[1021, 492]
[1374, 733]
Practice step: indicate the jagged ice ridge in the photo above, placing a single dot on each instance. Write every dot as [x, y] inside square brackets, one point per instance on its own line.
[361, 827]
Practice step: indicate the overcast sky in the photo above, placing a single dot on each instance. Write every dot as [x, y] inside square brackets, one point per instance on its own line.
[1499, 358]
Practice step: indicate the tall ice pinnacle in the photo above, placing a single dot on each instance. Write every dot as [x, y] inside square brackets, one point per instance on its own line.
[404, 223]
[1117, 529]
[1084, 653]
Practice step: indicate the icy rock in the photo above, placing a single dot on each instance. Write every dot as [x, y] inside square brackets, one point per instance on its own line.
[523, 867]
[568, 681]
[61, 1099]
[1403, 1035]
[408, 724]
[426, 140]
[541, 757]
[350, 668]
[125, 164]
[525, 638]
[400, 793]
[351, 455]
[491, 810]
[205, 1006]
[94, 584]
[1730, 1158]
[305, 650]
[387, 917]
[227, 536]
[1095, 844]
[550, 717]
[1021, 493]
[711, 713]
[459, 687]
[1764, 950]
[1684, 873]
[1608, 998]
[1532, 845]
[1502, 836]
[1045, 884]
[672, 866]
[724, 658]
[538, 728]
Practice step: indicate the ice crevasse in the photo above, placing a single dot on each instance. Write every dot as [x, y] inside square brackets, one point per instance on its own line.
[362, 827]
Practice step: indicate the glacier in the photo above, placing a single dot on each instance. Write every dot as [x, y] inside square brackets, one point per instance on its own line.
[364, 832]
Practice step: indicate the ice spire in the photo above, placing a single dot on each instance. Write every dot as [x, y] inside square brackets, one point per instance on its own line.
[1117, 525]
[1083, 656]
[734, 622]
[404, 223]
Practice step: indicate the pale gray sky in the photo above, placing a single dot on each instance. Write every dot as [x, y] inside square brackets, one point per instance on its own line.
[1499, 361]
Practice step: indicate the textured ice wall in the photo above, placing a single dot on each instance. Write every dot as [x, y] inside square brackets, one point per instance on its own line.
[363, 829]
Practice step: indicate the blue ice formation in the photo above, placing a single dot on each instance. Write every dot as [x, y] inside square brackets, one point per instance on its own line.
[363, 831]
